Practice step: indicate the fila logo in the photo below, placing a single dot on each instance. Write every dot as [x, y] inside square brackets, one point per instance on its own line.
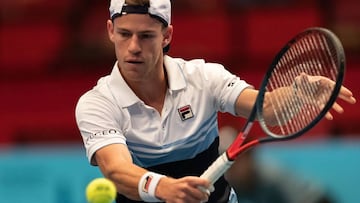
[185, 112]
[146, 184]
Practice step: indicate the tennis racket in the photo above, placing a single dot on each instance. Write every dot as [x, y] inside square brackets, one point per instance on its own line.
[304, 79]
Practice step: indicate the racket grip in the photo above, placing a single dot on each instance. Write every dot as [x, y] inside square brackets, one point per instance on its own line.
[217, 168]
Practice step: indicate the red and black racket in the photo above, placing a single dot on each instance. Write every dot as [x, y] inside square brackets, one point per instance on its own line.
[304, 80]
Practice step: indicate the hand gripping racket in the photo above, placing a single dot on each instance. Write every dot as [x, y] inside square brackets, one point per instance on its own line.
[304, 79]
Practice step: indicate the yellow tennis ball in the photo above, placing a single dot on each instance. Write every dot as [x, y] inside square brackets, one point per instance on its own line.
[100, 190]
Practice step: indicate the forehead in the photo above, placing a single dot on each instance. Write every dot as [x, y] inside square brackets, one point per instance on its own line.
[137, 22]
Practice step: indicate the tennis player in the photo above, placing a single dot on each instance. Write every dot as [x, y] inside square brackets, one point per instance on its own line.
[151, 124]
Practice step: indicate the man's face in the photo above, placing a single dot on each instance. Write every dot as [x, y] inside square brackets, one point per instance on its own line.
[139, 40]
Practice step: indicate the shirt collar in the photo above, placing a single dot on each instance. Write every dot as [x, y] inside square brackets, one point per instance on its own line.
[124, 96]
[175, 74]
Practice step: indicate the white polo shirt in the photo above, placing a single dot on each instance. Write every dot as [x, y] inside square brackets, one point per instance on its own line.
[111, 113]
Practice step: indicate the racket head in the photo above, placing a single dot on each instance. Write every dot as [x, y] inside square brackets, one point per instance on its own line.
[315, 51]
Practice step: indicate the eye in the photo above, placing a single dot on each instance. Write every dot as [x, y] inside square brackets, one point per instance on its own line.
[147, 36]
[124, 34]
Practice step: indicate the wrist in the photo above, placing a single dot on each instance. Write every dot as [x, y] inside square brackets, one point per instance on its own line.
[147, 186]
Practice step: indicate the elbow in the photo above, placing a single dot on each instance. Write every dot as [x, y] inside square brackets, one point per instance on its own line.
[121, 187]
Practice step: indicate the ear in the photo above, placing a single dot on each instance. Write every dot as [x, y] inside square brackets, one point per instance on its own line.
[168, 32]
[110, 29]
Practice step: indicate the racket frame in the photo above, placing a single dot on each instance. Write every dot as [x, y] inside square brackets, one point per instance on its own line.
[334, 40]
[225, 160]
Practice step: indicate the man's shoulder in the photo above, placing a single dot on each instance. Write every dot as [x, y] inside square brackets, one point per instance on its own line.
[191, 64]
[98, 92]
[183, 61]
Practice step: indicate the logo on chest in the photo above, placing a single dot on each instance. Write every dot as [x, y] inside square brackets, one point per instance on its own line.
[185, 112]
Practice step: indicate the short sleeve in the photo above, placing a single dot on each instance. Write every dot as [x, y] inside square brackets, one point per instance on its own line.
[96, 122]
[225, 87]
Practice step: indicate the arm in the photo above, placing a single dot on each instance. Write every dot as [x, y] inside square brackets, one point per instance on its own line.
[115, 163]
[126, 176]
[246, 101]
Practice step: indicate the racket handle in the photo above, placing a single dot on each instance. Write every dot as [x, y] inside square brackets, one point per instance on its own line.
[217, 168]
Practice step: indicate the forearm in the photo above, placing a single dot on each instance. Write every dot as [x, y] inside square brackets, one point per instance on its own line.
[275, 102]
[120, 169]
[280, 105]
[245, 102]
[126, 181]
[116, 164]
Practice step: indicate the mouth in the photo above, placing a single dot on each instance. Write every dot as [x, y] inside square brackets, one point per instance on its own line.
[134, 61]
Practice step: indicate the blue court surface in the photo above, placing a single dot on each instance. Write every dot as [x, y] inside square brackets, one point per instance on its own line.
[59, 174]
[334, 164]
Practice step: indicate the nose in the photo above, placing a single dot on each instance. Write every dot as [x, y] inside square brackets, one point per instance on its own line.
[134, 45]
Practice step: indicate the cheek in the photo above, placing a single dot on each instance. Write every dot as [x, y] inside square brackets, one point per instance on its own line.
[155, 45]
[120, 52]
[120, 46]
[154, 48]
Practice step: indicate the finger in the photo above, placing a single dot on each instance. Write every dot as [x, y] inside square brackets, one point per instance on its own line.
[212, 188]
[192, 195]
[205, 193]
[199, 182]
[348, 99]
[204, 190]
[337, 108]
[202, 186]
[347, 95]
[329, 116]
[199, 192]
[345, 91]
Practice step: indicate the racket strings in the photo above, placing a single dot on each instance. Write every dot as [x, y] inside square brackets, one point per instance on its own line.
[300, 68]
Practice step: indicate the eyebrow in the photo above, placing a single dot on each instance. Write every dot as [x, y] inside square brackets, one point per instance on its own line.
[120, 29]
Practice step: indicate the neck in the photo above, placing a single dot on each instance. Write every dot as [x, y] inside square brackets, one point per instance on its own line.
[152, 91]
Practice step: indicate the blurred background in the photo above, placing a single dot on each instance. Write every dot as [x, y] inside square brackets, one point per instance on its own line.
[51, 52]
